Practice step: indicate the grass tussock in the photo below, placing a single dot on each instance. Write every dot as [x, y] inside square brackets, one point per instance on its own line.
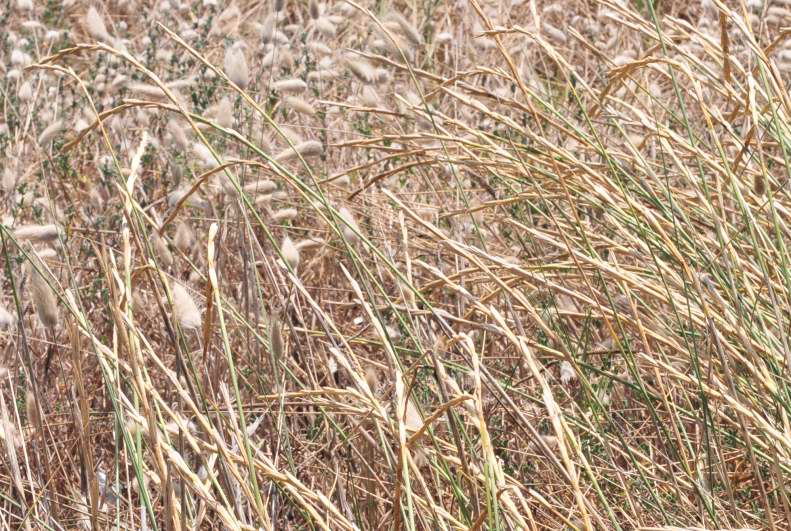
[355, 265]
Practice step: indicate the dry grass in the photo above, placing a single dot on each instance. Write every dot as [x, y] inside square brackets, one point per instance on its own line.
[368, 265]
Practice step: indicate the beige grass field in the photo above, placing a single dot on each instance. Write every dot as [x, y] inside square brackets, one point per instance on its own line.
[423, 265]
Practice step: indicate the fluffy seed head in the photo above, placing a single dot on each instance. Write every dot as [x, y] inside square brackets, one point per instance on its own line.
[349, 228]
[37, 233]
[372, 378]
[179, 135]
[289, 85]
[310, 243]
[134, 427]
[193, 201]
[410, 31]
[8, 432]
[50, 132]
[31, 408]
[276, 336]
[235, 65]
[554, 33]
[284, 214]
[443, 37]
[319, 48]
[44, 300]
[204, 155]
[362, 70]
[369, 97]
[184, 238]
[94, 23]
[325, 27]
[290, 252]
[299, 105]
[263, 199]
[161, 248]
[308, 149]
[413, 419]
[325, 74]
[184, 308]
[314, 9]
[6, 318]
[567, 373]
[224, 113]
[262, 186]
[25, 91]
[147, 90]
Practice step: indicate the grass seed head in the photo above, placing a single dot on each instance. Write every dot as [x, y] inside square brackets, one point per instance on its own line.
[284, 214]
[37, 233]
[178, 135]
[307, 149]
[25, 93]
[361, 69]
[10, 433]
[31, 409]
[162, 250]
[94, 24]
[310, 243]
[299, 105]
[554, 33]
[372, 378]
[235, 65]
[7, 319]
[289, 85]
[185, 310]
[369, 97]
[224, 113]
[261, 186]
[184, 238]
[413, 419]
[44, 300]
[276, 337]
[325, 27]
[567, 373]
[290, 252]
[50, 132]
[409, 30]
[349, 228]
[319, 48]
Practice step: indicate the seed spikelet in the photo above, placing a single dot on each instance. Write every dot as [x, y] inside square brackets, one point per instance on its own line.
[50, 132]
[284, 214]
[184, 308]
[6, 318]
[349, 228]
[44, 300]
[184, 237]
[410, 31]
[299, 105]
[290, 252]
[235, 65]
[94, 23]
[308, 149]
[289, 85]
[37, 233]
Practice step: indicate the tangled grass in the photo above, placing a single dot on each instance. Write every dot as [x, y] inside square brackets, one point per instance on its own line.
[274, 265]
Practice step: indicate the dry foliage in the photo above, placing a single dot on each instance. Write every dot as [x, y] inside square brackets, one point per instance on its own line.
[364, 265]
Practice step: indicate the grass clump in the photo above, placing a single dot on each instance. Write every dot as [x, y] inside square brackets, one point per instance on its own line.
[354, 265]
